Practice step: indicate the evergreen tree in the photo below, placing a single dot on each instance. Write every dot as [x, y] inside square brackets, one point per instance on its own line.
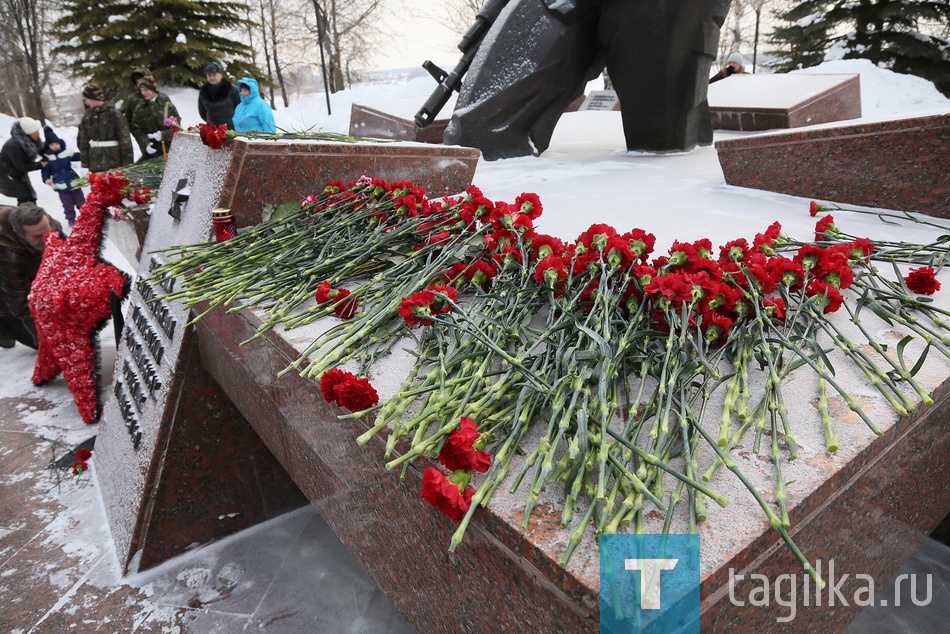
[886, 32]
[801, 42]
[175, 39]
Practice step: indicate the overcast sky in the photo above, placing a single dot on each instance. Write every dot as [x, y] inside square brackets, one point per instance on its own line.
[416, 33]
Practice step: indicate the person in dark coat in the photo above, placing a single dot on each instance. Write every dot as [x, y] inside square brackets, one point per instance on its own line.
[20, 155]
[150, 120]
[22, 233]
[60, 175]
[218, 98]
[104, 141]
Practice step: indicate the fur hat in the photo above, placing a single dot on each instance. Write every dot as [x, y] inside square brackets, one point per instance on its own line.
[148, 82]
[29, 125]
[94, 92]
[213, 67]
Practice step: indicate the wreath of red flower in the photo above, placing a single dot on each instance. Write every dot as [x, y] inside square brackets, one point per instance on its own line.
[70, 298]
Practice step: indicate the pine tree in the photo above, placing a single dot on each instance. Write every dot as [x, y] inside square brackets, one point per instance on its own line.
[886, 32]
[803, 42]
[175, 39]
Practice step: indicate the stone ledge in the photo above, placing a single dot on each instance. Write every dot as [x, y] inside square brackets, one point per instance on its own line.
[768, 102]
[899, 164]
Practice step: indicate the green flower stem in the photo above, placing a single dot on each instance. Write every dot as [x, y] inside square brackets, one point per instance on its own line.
[898, 368]
[774, 521]
[831, 438]
[875, 376]
[654, 461]
[852, 404]
[781, 492]
[577, 535]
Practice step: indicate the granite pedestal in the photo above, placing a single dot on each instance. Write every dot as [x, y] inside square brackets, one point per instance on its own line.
[261, 173]
[865, 507]
[898, 164]
[766, 102]
[395, 119]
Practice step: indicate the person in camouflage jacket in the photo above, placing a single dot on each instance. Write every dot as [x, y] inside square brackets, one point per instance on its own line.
[135, 97]
[149, 120]
[103, 139]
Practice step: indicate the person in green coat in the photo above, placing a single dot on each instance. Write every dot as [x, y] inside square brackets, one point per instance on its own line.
[135, 97]
[149, 121]
[103, 139]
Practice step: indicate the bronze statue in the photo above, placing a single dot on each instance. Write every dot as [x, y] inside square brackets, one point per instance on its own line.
[538, 55]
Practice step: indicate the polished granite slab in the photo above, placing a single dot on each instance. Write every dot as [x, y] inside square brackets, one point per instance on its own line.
[395, 120]
[895, 164]
[252, 174]
[750, 102]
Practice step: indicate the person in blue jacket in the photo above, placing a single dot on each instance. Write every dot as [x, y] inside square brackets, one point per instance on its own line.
[59, 174]
[253, 114]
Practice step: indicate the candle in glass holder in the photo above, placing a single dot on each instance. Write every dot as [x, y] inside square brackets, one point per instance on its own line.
[223, 222]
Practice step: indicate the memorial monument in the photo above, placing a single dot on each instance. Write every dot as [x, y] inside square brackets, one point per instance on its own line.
[538, 55]
[511, 571]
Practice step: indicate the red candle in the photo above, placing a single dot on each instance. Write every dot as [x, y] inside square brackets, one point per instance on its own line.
[223, 222]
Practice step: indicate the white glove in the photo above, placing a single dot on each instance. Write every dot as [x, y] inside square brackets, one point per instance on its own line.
[155, 136]
[150, 148]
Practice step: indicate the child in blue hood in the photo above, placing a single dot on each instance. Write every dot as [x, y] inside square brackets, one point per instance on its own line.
[253, 113]
[59, 174]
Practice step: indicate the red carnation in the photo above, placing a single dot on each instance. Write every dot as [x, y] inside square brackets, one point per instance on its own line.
[356, 394]
[345, 306]
[825, 227]
[529, 204]
[922, 281]
[215, 137]
[551, 271]
[595, 238]
[415, 308]
[323, 292]
[641, 243]
[330, 379]
[444, 494]
[83, 454]
[79, 466]
[831, 297]
[342, 307]
[459, 452]
[671, 290]
[435, 300]
[814, 208]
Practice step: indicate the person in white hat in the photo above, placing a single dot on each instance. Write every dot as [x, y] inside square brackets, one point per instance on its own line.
[735, 65]
[20, 155]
